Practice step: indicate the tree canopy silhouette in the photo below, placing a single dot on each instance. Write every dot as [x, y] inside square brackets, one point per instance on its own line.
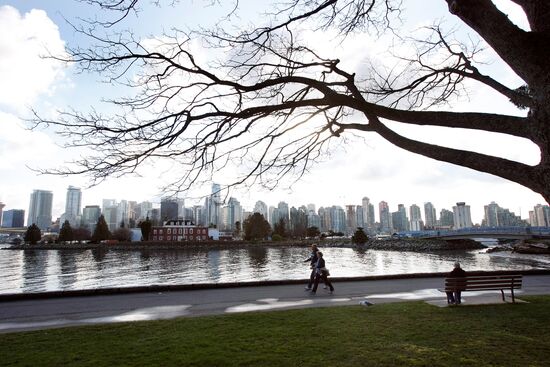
[274, 104]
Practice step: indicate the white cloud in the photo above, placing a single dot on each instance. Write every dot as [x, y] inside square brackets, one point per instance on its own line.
[24, 39]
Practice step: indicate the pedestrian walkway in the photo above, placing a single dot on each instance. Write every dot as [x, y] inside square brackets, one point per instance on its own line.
[33, 314]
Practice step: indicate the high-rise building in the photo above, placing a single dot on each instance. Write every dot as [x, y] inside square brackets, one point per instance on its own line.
[40, 209]
[284, 212]
[338, 219]
[416, 218]
[298, 221]
[399, 219]
[168, 209]
[541, 216]
[462, 217]
[72, 206]
[2, 206]
[234, 214]
[14, 218]
[386, 225]
[446, 218]
[273, 216]
[351, 219]
[325, 219]
[430, 215]
[110, 214]
[261, 208]
[214, 205]
[491, 215]
[313, 219]
[359, 217]
[368, 213]
[90, 215]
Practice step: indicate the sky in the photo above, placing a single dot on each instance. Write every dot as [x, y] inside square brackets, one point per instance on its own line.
[369, 167]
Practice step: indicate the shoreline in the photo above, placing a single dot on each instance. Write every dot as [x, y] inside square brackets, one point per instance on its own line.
[388, 245]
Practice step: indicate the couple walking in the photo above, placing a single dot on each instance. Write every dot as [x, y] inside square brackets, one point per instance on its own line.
[318, 270]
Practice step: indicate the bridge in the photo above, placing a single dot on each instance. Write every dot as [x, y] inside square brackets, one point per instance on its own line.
[482, 232]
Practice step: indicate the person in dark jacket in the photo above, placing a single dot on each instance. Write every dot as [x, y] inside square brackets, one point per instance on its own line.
[453, 298]
[321, 273]
[312, 259]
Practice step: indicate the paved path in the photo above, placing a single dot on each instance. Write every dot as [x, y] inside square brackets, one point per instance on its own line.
[67, 311]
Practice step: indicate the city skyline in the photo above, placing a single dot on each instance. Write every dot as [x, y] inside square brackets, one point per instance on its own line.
[370, 168]
[75, 204]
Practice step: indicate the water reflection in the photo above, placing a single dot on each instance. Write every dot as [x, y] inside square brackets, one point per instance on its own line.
[43, 270]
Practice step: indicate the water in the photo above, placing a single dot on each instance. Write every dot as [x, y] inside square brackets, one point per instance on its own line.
[24, 271]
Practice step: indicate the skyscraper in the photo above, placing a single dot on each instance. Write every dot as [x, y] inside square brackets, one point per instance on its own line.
[214, 205]
[90, 215]
[73, 206]
[168, 209]
[462, 217]
[40, 209]
[261, 208]
[430, 215]
[2, 205]
[284, 212]
[351, 219]
[14, 218]
[368, 213]
[541, 216]
[385, 217]
[416, 218]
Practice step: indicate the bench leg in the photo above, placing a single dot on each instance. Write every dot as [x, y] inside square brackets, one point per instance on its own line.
[513, 298]
[502, 292]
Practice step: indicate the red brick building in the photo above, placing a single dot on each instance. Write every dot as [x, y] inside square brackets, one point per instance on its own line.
[179, 230]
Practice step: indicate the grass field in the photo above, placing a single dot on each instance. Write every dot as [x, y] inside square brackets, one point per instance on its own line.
[399, 334]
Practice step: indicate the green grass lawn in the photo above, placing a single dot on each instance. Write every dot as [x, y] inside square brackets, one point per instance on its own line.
[406, 334]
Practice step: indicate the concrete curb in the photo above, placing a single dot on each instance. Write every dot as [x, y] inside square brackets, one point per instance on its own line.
[200, 286]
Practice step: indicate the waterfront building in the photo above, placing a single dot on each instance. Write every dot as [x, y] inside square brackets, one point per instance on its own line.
[368, 213]
[359, 217]
[90, 216]
[181, 208]
[179, 230]
[541, 216]
[325, 220]
[386, 225]
[73, 207]
[462, 217]
[2, 206]
[283, 213]
[106, 203]
[14, 218]
[313, 219]
[429, 215]
[261, 208]
[273, 216]
[338, 219]
[110, 214]
[446, 219]
[40, 209]
[144, 210]
[197, 215]
[351, 219]
[416, 223]
[168, 209]
[298, 221]
[214, 206]
[234, 214]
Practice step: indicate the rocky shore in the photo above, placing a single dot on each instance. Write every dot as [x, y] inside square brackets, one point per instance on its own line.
[388, 245]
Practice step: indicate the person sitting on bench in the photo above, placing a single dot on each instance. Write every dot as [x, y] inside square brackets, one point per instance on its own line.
[453, 298]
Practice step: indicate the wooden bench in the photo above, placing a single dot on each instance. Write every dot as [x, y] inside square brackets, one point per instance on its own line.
[485, 283]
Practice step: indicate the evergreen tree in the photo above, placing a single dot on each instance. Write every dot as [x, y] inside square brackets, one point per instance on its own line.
[145, 227]
[313, 232]
[101, 231]
[33, 234]
[359, 237]
[280, 228]
[256, 227]
[66, 233]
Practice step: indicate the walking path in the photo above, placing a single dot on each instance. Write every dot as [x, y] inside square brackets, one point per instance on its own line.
[31, 314]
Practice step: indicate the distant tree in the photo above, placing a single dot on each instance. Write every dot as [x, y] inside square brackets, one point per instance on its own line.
[276, 237]
[256, 227]
[145, 227]
[238, 229]
[313, 232]
[33, 234]
[122, 234]
[280, 228]
[82, 234]
[359, 237]
[101, 231]
[66, 233]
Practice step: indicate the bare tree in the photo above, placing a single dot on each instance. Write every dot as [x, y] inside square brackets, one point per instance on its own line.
[275, 106]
